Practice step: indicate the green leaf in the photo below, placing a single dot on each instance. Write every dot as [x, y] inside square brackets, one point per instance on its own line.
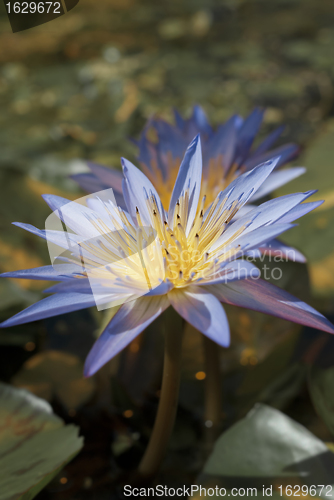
[320, 383]
[268, 447]
[34, 444]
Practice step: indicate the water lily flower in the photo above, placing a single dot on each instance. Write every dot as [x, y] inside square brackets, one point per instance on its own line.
[227, 153]
[193, 264]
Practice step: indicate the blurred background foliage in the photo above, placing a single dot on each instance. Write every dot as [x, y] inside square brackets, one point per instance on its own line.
[78, 88]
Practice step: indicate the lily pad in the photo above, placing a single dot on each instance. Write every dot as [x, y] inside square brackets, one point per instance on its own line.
[34, 444]
[268, 447]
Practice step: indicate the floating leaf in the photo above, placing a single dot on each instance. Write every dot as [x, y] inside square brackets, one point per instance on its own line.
[268, 447]
[56, 374]
[34, 444]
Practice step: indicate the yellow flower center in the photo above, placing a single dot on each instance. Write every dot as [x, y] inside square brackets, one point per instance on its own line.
[187, 257]
[140, 258]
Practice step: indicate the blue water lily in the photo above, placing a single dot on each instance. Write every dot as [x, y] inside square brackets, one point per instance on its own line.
[194, 263]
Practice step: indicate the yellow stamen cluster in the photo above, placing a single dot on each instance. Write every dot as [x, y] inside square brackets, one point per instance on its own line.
[124, 256]
[144, 256]
[187, 257]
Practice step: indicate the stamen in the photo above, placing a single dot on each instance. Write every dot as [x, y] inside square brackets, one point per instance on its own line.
[176, 213]
[140, 241]
[182, 235]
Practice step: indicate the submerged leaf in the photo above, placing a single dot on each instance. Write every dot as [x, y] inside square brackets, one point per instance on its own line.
[56, 374]
[34, 444]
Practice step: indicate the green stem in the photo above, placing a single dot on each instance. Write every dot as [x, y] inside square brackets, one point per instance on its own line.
[164, 422]
[213, 389]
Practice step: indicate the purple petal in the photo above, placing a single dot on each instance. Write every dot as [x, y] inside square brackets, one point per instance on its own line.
[89, 182]
[278, 179]
[60, 272]
[286, 153]
[200, 119]
[251, 239]
[259, 295]
[162, 289]
[189, 178]
[268, 141]
[137, 189]
[223, 142]
[51, 306]
[274, 210]
[55, 202]
[59, 238]
[170, 142]
[236, 270]
[248, 183]
[147, 151]
[110, 177]
[255, 253]
[300, 210]
[75, 285]
[261, 235]
[262, 216]
[75, 216]
[178, 119]
[245, 209]
[202, 310]
[247, 133]
[129, 321]
[31, 229]
[276, 248]
[105, 297]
